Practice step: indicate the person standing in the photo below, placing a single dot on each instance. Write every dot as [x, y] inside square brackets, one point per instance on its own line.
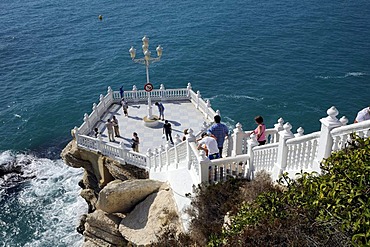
[121, 91]
[218, 131]
[109, 126]
[160, 109]
[167, 129]
[115, 126]
[363, 115]
[135, 142]
[210, 146]
[124, 106]
[260, 131]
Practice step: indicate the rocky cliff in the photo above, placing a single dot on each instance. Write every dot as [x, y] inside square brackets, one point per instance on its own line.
[125, 208]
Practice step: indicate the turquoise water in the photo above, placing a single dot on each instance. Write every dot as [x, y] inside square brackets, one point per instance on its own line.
[279, 59]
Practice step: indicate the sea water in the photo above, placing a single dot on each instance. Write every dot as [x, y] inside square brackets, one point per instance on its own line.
[277, 59]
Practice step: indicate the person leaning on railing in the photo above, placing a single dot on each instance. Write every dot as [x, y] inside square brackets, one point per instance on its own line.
[363, 115]
[209, 144]
[260, 131]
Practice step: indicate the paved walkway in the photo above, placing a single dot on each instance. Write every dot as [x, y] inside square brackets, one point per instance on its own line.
[181, 115]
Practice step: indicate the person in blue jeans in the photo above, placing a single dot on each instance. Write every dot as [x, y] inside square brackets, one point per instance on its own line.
[160, 109]
[218, 131]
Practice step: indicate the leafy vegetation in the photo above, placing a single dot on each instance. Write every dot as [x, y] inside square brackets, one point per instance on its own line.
[330, 209]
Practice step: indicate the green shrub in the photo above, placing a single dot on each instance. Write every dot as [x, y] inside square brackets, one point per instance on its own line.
[315, 210]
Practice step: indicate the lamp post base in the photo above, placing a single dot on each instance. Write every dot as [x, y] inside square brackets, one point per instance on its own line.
[151, 122]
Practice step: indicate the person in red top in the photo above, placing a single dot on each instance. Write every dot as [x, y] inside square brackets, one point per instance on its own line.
[260, 130]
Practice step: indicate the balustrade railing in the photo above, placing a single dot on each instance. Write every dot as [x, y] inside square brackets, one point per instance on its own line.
[284, 151]
[302, 152]
[342, 135]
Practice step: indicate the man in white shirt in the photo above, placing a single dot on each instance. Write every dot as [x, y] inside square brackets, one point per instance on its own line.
[210, 146]
[363, 115]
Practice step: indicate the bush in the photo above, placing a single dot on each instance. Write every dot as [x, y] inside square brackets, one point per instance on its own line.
[330, 209]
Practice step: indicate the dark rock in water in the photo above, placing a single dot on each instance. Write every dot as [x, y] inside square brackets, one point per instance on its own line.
[81, 228]
[14, 171]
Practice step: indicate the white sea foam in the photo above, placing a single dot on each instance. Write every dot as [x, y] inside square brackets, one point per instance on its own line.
[354, 74]
[237, 97]
[52, 195]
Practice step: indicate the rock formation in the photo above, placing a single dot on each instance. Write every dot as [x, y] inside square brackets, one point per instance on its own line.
[125, 208]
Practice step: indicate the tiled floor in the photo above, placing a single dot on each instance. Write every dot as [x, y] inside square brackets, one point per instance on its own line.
[181, 115]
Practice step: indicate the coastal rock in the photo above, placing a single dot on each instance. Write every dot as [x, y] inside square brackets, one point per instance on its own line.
[101, 229]
[150, 219]
[125, 172]
[121, 196]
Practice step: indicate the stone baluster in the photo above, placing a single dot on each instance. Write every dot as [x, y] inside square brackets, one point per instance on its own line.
[167, 147]
[176, 142]
[208, 104]
[204, 127]
[282, 155]
[149, 155]
[95, 109]
[190, 138]
[156, 163]
[162, 92]
[188, 88]
[99, 143]
[198, 99]
[86, 120]
[205, 168]
[343, 120]
[300, 132]
[110, 94]
[252, 142]
[237, 137]
[122, 150]
[160, 154]
[75, 133]
[326, 141]
[278, 127]
[134, 95]
[101, 99]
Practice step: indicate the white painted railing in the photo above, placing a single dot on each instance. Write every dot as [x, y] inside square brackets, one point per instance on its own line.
[284, 151]
[342, 135]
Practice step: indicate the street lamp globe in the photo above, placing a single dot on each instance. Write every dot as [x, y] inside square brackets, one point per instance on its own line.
[145, 43]
[147, 55]
[159, 50]
[132, 52]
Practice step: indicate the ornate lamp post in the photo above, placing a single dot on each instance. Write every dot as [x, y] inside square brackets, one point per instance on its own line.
[146, 61]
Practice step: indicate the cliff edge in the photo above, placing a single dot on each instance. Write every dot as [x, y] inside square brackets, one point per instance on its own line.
[124, 206]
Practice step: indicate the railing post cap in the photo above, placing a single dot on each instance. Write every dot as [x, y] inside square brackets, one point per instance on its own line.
[331, 120]
[218, 112]
[86, 116]
[300, 132]
[208, 102]
[238, 128]
[109, 90]
[190, 137]
[134, 88]
[149, 152]
[343, 120]
[177, 139]
[161, 87]
[101, 97]
[94, 106]
[286, 133]
[122, 144]
[203, 156]
[253, 141]
[189, 86]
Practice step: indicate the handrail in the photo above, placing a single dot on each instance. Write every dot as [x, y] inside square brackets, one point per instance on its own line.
[365, 125]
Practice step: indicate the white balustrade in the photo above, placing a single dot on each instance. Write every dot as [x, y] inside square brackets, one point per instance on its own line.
[282, 152]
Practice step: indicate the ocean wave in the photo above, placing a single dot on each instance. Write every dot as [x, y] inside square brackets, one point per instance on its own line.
[237, 97]
[43, 210]
[354, 74]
